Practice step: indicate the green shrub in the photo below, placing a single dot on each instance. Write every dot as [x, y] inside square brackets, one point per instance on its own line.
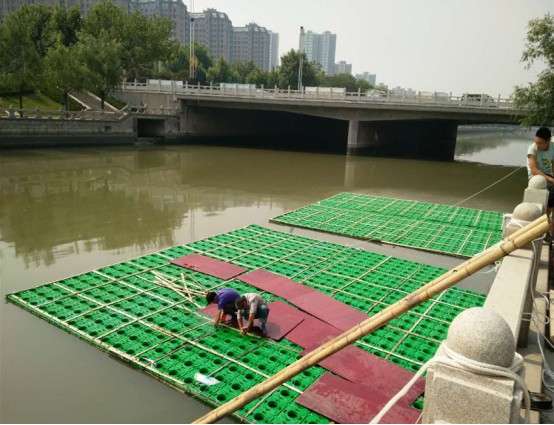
[115, 102]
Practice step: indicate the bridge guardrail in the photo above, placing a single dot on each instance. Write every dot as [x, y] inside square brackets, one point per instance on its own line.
[322, 94]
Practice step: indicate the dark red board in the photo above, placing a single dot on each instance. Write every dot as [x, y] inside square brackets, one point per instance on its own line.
[329, 310]
[211, 310]
[275, 284]
[209, 266]
[345, 402]
[366, 369]
[316, 303]
[312, 332]
[281, 320]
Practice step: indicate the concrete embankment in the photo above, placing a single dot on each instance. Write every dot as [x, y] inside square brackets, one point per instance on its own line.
[85, 130]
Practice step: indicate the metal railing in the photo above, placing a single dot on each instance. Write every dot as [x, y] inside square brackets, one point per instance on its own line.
[322, 94]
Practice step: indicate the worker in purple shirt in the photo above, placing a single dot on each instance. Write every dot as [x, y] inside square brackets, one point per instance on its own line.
[225, 299]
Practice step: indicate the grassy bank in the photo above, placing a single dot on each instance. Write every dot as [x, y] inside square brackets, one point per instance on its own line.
[30, 101]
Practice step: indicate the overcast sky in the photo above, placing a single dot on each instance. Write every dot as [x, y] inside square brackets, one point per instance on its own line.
[453, 46]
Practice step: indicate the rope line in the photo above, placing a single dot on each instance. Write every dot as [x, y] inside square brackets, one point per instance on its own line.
[456, 360]
[488, 187]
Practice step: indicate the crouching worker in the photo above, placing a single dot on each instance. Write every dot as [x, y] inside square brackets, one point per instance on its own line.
[251, 306]
[225, 299]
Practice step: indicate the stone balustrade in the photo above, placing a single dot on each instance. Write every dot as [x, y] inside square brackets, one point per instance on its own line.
[456, 394]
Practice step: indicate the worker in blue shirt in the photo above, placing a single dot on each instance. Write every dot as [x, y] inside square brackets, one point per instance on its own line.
[225, 299]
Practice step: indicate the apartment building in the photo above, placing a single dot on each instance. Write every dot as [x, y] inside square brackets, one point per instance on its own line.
[273, 50]
[214, 30]
[10, 6]
[320, 48]
[251, 43]
[172, 9]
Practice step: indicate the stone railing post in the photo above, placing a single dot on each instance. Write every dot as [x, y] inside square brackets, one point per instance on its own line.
[456, 391]
[11, 111]
[523, 214]
[536, 192]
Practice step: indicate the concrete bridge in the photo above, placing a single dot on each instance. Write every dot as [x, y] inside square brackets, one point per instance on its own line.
[424, 125]
[316, 118]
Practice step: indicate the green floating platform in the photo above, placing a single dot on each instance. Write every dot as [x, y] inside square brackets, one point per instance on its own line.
[445, 229]
[123, 310]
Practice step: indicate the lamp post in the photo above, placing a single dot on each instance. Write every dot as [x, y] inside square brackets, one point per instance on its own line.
[192, 57]
[301, 59]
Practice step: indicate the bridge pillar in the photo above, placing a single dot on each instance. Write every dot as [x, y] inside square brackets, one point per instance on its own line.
[430, 139]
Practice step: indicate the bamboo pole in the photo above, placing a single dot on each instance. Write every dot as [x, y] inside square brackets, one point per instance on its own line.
[515, 241]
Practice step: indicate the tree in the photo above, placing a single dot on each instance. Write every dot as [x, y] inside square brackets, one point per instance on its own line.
[25, 37]
[243, 69]
[363, 85]
[221, 72]
[340, 80]
[64, 70]
[105, 17]
[537, 99]
[288, 71]
[65, 24]
[101, 57]
[145, 41]
[177, 67]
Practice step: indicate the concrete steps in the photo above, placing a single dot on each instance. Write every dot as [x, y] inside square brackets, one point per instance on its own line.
[91, 101]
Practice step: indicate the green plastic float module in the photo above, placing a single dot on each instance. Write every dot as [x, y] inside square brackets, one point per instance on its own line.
[122, 309]
[387, 219]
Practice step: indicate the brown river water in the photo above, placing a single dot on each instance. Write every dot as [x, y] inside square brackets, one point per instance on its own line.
[67, 211]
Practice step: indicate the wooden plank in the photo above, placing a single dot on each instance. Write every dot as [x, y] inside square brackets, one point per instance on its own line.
[209, 266]
[316, 303]
[329, 310]
[346, 402]
[275, 284]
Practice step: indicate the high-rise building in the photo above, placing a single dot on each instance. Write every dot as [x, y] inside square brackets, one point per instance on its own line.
[366, 76]
[342, 67]
[251, 43]
[273, 50]
[172, 9]
[10, 6]
[213, 29]
[320, 48]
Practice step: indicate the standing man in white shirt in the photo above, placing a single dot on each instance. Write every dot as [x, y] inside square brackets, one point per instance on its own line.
[251, 306]
[540, 158]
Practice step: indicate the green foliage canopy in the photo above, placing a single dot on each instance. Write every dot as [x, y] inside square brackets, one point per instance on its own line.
[537, 99]
[24, 41]
[288, 71]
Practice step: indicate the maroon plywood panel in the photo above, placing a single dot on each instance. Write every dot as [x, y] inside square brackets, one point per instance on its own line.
[309, 332]
[280, 325]
[345, 402]
[329, 310]
[312, 332]
[316, 303]
[209, 266]
[211, 310]
[275, 284]
[366, 369]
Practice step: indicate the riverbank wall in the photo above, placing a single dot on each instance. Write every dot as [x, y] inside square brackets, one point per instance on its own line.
[32, 129]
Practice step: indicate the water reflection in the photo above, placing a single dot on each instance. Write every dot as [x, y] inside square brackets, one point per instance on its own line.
[56, 203]
[63, 212]
[495, 146]
[119, 198]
